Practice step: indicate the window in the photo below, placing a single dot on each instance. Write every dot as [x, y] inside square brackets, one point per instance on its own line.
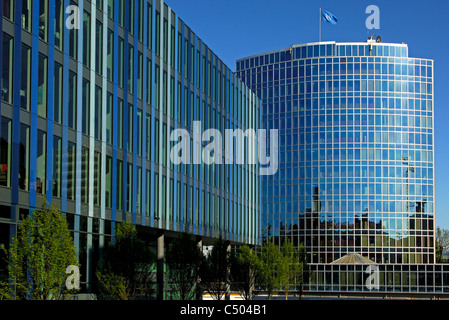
[109, 110]
[119, 195]
[43, 20]
[120, 124]
[130, 128]
[121, 59]
[108, 182]
[59, 20]
[42, 86]
[148, 195]
[85, 107]
[72, 100]
[41, 161]
[25, 81]
[8, 9]
[26, 14]
[139, 191]
[86, 39]
[57, 103]
[84, 175]
[57, 157]
[97, 179]
[110, 56]
[71, 167]
[73, 39]
[98, 113]
[7, 68]
[99, 48]
[131, 70]
[5, 152]
[24, 157]
[129, 188]
[139, 132]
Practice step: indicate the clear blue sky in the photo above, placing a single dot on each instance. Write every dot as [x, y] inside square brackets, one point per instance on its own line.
[235, 29]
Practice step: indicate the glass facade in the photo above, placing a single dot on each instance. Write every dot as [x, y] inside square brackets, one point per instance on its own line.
[356, 149]
[86, 117]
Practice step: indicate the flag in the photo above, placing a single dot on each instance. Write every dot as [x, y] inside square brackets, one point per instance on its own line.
[329, 17]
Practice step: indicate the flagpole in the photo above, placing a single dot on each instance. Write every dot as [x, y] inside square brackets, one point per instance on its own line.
[320, 25]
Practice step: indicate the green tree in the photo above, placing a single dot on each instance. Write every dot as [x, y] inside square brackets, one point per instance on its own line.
[183, 258]
[127, 267]
[441, 243]
[39, 255]
[243, 271]
[215, 270]
[268, 269]
[290, 268]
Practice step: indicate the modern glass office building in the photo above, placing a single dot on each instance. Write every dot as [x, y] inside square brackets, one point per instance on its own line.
[356, 150]
[87, 109]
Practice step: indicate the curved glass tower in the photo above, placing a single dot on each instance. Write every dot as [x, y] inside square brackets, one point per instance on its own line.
[356, 157]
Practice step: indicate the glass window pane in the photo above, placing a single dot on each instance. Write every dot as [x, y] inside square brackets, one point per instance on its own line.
[24, 157]
[57, 103]
[5, 152]
[57, 154]
[41, 161]
[42, 86]
[7, 67]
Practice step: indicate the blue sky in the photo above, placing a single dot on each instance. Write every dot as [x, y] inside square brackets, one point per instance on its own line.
[235, 29]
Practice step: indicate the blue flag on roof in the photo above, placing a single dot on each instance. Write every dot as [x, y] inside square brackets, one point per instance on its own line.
[329, 17]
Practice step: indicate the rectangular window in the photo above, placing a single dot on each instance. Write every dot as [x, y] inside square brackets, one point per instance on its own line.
[130, 127]
[24, 157]
[110, 56]
[149, 82]
[139, 132]
[120, 124]
[98, 113]
[71, 173]
[42, 86]
[111, 9]
[156, 195]
[97, 179]
[84, 175]
[131, 70]
[41, 161]
[139, 191]
[5, 152]
[148, 137]
[129, 189]
[99, 48]
[148, 199]
[86, 107]
[26, 14]
[109, 110]
[25, 80]
[72, 100]
[73, 39]
[121, 63]
[7, 68]
[86, 39]
[156, 138]
[57, 163]
[43, 20]
[108, 182]
[131, 12]
[150, 26]
[119, 195]
[139, 75]
[157, 33]
[59, 20]
[57, 97]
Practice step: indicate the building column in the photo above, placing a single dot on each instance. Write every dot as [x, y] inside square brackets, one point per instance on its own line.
[160, 265]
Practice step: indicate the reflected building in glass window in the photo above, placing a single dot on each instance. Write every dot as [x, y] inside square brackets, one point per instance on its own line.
[356, 157]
